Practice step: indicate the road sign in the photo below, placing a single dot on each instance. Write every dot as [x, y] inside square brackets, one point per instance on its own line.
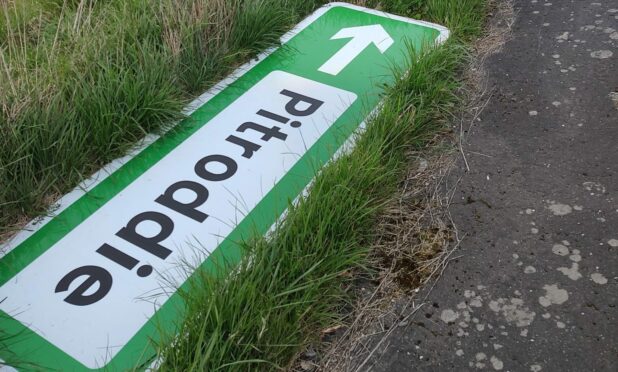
[88, 287]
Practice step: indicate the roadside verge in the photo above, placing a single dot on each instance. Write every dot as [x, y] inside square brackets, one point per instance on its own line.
[287, 284]
[295, 282]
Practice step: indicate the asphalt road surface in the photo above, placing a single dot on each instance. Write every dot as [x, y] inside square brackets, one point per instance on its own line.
[536, 287]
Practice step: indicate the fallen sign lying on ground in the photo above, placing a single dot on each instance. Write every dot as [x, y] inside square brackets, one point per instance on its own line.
[89, 287]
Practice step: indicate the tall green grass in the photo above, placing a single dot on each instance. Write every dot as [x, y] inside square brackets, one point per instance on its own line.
[293, 283]
[83, 80]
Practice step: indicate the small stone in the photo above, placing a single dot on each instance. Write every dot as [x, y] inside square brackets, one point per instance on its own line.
[310, 353]
[306, 365]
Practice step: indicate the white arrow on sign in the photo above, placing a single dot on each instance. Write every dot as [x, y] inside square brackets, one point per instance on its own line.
[362, 37]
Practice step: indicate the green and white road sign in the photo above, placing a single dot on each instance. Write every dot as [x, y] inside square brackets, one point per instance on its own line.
[88, 287]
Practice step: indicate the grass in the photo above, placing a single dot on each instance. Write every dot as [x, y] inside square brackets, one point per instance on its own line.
[293, 284]
[82, 80]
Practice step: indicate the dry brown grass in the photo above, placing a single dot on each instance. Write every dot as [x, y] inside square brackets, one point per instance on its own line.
[415, 239]
[213, 18]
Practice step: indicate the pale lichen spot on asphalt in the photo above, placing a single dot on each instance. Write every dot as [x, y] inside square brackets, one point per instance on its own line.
[601, 54]
[594, 187]
[598, 278]
[476, 302]
[613, 243]
[559, 209]
[553, 296]
[496, 363]
[524, 332]
[560, 250]
[563, 37]
[480, 357]
[449, 316]
[572, 272]
[513, 311]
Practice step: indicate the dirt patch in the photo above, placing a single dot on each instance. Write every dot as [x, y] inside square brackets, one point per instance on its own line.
[414, 241]
[409, 239]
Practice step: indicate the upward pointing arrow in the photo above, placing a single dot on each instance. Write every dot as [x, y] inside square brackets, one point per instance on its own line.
[362, 37]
